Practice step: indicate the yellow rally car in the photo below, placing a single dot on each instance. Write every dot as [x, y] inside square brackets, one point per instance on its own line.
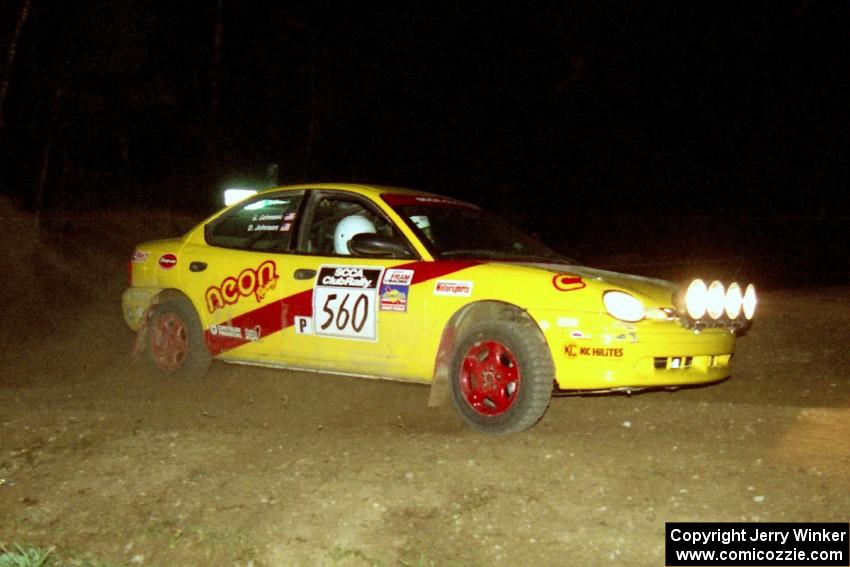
[392, 283]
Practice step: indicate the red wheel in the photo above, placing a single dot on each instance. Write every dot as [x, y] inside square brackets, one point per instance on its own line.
[490, 378]
[169, 343]
[176, 344]
[502, 376]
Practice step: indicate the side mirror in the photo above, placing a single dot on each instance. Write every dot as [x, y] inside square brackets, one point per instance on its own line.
[368, 244]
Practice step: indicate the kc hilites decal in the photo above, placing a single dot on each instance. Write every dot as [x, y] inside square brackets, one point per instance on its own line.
[257, 282]
[573, 350]
[345, 302]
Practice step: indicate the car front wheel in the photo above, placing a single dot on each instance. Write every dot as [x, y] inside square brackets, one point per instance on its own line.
[502, 376]
[175, 340]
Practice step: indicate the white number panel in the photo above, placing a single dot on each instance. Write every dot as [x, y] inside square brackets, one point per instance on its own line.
[345, 302]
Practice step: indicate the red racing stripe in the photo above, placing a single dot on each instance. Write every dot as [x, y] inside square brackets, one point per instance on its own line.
[278, 315]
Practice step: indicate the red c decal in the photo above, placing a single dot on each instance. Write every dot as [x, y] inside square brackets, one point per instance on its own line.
[568, 282]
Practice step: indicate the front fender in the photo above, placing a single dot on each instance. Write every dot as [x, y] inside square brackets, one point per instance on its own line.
[464, 318]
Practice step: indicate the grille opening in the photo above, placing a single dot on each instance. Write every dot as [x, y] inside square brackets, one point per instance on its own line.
[672, 362]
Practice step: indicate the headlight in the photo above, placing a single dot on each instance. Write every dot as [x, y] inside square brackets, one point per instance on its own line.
[696, 298]
[623, 306]
[734, 300]
[749, 302]
[716, 300]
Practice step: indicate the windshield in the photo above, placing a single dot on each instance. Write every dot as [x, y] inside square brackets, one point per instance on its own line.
[455, 230]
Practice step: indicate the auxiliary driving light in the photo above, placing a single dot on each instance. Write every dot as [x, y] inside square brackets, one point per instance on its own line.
[749, 302]
[695, 299]
[734, 300]
[716, 300]
[716, 306]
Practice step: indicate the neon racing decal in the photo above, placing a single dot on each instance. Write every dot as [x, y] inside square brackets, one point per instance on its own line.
[249, 282]
[282, 314]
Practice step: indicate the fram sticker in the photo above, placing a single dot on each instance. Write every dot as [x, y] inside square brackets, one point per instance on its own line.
[395, 288]
[249, 282]
[167, 261]
[568, 282]
[453, 288]
[398, 277]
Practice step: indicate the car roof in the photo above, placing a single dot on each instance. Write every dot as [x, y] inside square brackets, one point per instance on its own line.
[373, 191]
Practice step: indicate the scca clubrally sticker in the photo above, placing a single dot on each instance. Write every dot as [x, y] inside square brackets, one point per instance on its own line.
[345, 300]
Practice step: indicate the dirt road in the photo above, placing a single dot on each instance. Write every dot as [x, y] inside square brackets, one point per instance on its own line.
[263, 467]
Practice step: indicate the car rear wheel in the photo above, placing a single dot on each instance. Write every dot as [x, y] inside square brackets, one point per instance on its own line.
[175, 340]
[502, 376]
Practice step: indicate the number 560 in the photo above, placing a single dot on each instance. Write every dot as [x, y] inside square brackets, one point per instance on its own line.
[343, 318]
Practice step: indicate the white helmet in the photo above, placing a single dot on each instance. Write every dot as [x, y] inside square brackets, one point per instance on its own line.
[347, 228]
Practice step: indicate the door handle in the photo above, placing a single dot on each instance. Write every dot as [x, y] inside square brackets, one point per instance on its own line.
[304, 274]
[197, 266]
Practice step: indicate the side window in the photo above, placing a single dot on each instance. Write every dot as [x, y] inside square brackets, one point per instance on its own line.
[335, 219]
[263, 224]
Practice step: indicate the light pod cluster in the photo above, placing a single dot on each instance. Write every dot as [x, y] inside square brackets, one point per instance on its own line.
[716, 305]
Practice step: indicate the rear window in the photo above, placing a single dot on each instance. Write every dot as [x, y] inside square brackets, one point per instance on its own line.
[265, 223]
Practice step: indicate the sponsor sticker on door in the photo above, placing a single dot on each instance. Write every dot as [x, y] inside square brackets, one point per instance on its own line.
[453, 288]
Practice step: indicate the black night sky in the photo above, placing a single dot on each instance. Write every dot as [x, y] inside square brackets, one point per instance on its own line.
[551, 113]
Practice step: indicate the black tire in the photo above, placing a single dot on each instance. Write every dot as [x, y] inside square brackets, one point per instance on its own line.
[502, 376]
[175, 343]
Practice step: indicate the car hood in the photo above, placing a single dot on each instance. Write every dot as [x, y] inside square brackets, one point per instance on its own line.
[659, 291]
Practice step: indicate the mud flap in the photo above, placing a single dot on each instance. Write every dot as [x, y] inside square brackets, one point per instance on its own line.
[440, 383]
[439, 393]
[141, 336]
